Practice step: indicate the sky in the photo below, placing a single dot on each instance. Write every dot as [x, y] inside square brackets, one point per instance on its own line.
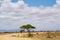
[43, 14]
[38, 2]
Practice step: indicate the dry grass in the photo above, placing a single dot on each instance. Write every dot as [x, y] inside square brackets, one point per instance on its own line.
[36, 36]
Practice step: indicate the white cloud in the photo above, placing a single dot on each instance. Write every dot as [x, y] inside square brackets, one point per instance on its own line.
[16, 14]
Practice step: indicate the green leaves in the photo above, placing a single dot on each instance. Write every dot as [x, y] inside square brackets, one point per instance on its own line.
[28, 26]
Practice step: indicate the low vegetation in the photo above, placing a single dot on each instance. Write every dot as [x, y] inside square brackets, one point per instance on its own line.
[35, 36]
[30, 35]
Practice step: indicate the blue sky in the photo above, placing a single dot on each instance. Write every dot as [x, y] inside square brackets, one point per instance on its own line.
[14, 1]
[38, 2]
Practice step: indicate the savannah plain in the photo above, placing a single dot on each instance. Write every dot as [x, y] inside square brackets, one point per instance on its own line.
[36, 36]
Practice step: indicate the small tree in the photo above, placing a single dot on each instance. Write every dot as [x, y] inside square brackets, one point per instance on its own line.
[28, 27]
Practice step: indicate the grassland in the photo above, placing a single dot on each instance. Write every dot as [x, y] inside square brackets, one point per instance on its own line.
[36, 36]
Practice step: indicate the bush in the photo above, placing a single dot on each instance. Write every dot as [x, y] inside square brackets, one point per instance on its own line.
[48, 35]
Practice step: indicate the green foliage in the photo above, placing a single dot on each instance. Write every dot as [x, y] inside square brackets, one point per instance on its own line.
[28, 27]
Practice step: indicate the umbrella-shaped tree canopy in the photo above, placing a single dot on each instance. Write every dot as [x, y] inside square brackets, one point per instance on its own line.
[28, 27]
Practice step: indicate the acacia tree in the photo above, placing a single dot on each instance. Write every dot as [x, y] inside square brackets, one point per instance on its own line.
[28, 27]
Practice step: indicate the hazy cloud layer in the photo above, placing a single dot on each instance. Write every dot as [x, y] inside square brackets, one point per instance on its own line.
[13, 15]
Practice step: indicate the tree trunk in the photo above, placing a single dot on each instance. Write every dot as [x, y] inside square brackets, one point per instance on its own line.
[29, 33]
